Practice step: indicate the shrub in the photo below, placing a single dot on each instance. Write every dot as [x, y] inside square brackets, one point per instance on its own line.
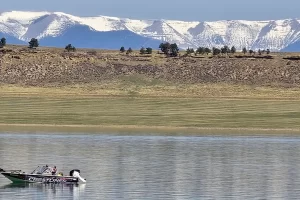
[129, 51]
[233, 50]
[142, 51]
[149, 50]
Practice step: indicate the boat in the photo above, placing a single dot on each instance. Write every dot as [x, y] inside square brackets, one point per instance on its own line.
[42, 175]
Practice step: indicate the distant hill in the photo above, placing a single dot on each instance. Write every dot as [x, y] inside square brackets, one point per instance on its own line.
[11, 39]
[82, 36]
[295, 47]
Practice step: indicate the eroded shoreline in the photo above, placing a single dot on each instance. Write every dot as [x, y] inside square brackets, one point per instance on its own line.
[141, 130]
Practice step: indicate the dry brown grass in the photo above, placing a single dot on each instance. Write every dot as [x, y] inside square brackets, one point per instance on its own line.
[141, 87]
[65, 107]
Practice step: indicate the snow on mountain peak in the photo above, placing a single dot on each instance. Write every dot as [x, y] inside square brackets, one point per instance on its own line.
[22, 16]
[273, 34]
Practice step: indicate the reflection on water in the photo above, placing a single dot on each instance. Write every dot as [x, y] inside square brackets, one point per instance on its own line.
[48, 191]
[133, 167]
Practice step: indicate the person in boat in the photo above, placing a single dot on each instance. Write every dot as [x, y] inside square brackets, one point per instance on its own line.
[54, 170]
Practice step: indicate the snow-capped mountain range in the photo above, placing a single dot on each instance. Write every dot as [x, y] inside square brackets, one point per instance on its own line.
[59, 29]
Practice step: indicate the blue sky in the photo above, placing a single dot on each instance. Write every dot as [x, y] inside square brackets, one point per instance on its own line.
[166, 9]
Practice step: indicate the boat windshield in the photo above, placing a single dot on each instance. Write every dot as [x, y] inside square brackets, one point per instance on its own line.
[42, 170]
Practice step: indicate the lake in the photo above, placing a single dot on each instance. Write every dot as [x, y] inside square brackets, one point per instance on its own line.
[155, 167]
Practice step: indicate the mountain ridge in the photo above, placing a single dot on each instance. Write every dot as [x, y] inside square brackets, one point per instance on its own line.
[276, 35]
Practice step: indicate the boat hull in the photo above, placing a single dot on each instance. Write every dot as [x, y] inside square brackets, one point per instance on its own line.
[37, 178]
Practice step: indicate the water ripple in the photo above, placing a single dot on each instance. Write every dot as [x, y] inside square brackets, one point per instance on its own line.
[155, 167]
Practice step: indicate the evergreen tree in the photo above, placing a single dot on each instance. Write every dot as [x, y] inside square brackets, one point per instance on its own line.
[200, 50]
[3, 42]
[244, 50]
[33, 43]
[174, 50]
[190, 51]
[216, 51]
[122, 49]
[142, 51]
[69, 48]
[225, 50]
[161, 45]
[233, 50]
[165, 48]
[149, 50]
[207, 50]
[268, 51]
[169, 49]
[259, 52]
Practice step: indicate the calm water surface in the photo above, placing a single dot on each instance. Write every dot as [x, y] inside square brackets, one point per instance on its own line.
[155, 167]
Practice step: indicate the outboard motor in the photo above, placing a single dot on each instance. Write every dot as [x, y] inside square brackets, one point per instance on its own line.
[76, 173]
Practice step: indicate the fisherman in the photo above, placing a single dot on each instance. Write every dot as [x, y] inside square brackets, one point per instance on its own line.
[54, 170]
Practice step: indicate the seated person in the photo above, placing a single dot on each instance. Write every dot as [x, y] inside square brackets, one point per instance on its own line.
[54, 170]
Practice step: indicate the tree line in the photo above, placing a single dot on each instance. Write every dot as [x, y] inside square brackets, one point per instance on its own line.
[143, 50]
[170, 50]
[166, 48]
[223, 50]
